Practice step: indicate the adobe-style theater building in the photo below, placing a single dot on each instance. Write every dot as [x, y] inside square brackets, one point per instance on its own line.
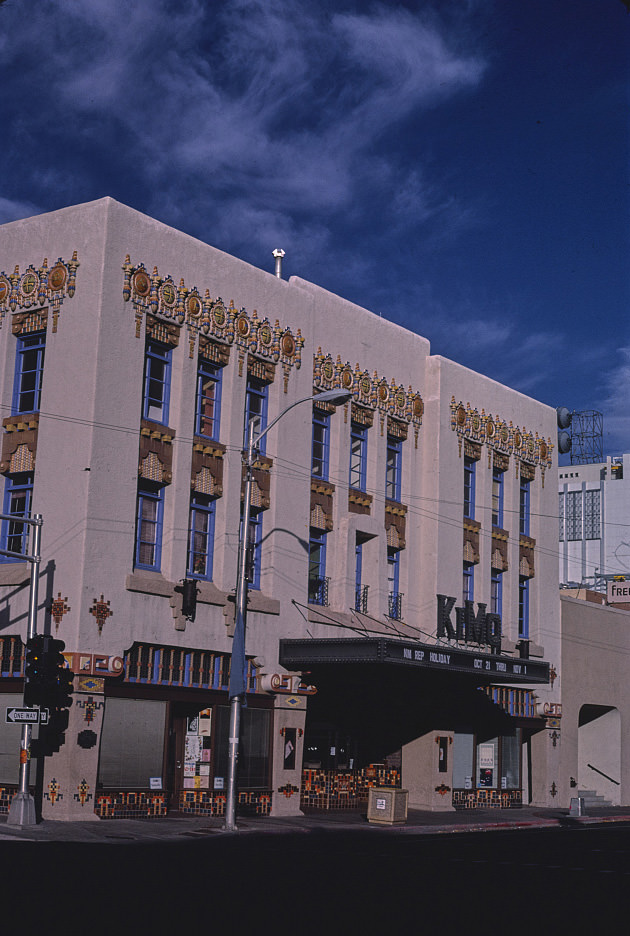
[403, 612]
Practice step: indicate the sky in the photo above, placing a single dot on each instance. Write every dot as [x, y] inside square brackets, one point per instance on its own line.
[460, 167]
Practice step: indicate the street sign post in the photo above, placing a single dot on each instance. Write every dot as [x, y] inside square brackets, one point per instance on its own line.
[26, 716]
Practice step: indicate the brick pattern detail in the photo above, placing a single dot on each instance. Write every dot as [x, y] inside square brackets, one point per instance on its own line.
[131, 805]
[208, 803]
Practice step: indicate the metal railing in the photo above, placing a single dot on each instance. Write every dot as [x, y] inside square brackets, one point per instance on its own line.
[395, 606]
[318, 591]
[361, 598]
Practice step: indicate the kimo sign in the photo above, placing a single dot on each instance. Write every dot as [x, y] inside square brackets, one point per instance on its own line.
[469, 626]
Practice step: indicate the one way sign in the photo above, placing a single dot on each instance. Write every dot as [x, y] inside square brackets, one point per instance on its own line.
[26, 716]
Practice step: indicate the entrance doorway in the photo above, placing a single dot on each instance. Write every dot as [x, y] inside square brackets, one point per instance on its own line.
[599, 751]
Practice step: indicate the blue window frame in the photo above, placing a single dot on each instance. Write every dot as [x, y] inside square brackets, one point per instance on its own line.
[469, 487]
[201, 536]
[358, 456]
[29, 373]
[208, 403]
[497, 498]
[523, 608]
[18, 494]
[524, 500]
[393, 468]
[256, 400]
[317, 581]
[496, 592]
[157, 382]
[149, 517]
[468, 584]
[393, 579]
[254, 547]
[360, 590]
[321, 444]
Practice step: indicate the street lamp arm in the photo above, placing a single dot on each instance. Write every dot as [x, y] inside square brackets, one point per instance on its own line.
[336, 397]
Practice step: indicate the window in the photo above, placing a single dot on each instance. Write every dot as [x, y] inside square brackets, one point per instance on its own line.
[561, 517]
[29, 372]
[393, 468]
[317, 581]
[321, 444]
[132, 743]
[157, 382]
[469, 487]
[256, 397]
[468, 583]
[358, 456]
[496, 592]
[149, 526]
[253, 750]
[201, 536]
[393, 577]
[523, 608]
[573, 515]
[208, 404]
[591, 514]
[360, 590]
[524, 507]
[254, 547]
[18, 493]
[497, 498]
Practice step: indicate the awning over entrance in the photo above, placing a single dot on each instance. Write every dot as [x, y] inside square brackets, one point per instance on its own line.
[485, 668]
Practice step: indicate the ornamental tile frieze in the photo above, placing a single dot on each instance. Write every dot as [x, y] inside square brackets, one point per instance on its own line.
[502, 438]
[390, 399]
[20, 292]
[153, 294]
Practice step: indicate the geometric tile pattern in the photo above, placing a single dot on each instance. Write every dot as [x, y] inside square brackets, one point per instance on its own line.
[131, 805]
[487, 799]
[344, 789]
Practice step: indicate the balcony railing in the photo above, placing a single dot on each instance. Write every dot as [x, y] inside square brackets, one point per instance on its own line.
[361, 598]
[318, 591]
[395, 606]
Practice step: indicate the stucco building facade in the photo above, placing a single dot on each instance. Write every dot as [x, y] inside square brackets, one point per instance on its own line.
[403, 618]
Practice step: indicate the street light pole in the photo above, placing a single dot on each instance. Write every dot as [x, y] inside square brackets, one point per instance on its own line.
[238, 663]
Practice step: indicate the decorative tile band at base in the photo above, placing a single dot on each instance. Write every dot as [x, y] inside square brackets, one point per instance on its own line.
[487, 799]
[7, 792]
[205, 803]
[131, 805]
[344, 789]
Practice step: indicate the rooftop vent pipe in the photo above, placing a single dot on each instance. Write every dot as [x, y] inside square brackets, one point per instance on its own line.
[278, 254]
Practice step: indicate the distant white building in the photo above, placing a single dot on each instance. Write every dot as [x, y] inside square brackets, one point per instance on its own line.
[594, 522]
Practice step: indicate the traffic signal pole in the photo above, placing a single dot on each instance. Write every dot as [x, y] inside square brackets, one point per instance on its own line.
[22, 809]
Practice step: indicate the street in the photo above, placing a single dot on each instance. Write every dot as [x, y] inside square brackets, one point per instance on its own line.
[328, 881]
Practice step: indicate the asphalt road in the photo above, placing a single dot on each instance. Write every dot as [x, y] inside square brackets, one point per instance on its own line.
[557, 880]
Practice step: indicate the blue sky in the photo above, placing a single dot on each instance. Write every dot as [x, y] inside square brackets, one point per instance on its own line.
[460, 167]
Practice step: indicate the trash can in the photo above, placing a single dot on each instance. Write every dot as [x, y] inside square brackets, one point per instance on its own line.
[387, 805]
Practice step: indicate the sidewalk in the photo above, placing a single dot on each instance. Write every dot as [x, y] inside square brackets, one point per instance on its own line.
[419, 822]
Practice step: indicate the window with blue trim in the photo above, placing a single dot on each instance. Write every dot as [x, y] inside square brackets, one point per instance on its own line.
[157, 381]
[256, 400]
[29, 373]
[18, 494]
[497, 498]
[496, 592]
[358, 456]
[393, 468]
[317, 581]
[201, 536]
[468, 584]
[149, 517]
[469, 487]
[360, 590]
[321, 444]
[523, 608]
[208, 403]
[393, 578]
[524, 500]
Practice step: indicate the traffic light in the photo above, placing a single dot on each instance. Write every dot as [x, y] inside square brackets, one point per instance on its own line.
[48, 684]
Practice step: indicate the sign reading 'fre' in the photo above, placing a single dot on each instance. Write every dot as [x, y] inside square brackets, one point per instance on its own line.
[469, 627]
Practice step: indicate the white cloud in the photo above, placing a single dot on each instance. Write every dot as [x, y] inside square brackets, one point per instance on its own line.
[11, 210]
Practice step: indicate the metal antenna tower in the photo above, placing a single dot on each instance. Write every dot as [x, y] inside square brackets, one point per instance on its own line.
[587, 438]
